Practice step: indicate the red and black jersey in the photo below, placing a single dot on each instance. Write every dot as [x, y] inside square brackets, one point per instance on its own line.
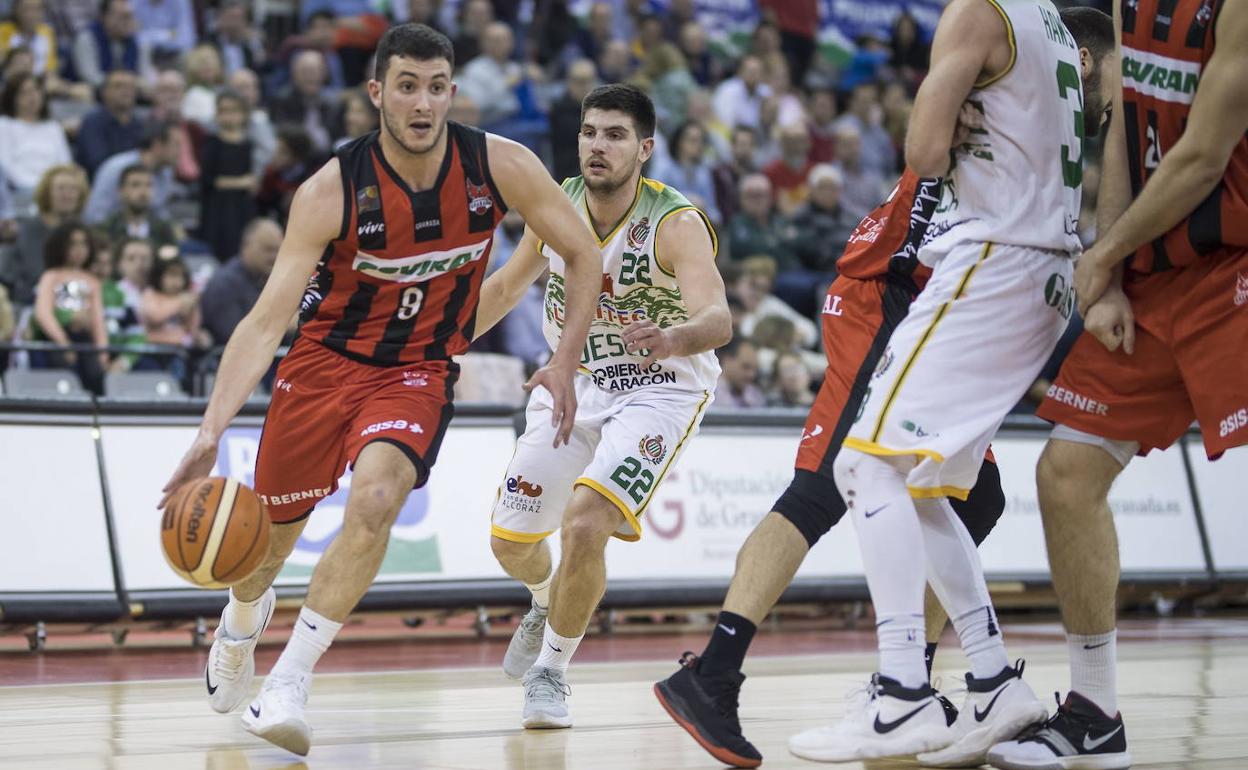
[401, 283]
[1165, 46]
[887, 240]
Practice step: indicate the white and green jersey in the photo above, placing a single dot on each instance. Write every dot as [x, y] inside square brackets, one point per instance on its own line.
[636, 286]
[1018, 180]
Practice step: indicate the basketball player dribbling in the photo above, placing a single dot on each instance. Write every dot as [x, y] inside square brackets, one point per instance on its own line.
[1000, 246]
[387, 246]
[1165, 294]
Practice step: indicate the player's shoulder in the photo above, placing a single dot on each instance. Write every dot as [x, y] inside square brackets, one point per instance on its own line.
[662, 196]
[321, 201]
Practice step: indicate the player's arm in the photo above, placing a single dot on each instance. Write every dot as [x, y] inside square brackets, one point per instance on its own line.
[1195, 165]
[503, 290]
[971, 41]
[525, 183]
[315, 219]
[684, 242]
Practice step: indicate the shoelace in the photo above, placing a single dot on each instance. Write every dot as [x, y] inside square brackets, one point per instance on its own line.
[1037, 732]
[229, 662]
[725, 695]
[533, 624]
[290, 692]
[546, 685]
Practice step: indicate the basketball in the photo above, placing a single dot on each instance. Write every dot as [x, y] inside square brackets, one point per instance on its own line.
[215, 532]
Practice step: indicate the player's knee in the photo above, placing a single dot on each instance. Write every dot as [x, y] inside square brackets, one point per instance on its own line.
[1063, 478]
[584, 533]
[509, 552]
[811, 504]
[373, 506]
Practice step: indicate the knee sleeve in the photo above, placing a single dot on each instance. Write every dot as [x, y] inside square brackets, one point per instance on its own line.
[812, 504]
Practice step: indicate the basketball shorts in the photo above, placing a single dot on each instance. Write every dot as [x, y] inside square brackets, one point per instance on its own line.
[973, 343]
[622, 447]
[858, 319]
[326, 408]
[1191, 334]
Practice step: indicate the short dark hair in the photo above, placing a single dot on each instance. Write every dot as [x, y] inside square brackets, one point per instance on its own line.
[8, 101]
[156, 132]
[622, 97]
[1092, 29]
[412, 41]
[162, 266]
[296, 139]
[57, 246]
[733, 346]
[131, 170]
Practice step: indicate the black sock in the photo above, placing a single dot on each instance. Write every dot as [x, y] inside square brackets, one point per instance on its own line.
[928, 656]
[730, 640]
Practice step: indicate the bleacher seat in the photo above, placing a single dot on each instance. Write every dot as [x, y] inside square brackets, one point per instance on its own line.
[150, 386]
[43, 383]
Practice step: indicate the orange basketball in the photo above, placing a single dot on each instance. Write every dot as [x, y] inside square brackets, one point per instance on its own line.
[215, 532]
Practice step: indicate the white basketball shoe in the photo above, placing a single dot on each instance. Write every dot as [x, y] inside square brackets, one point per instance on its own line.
[546, 699]
[526, 643]
[995, 710]
[232, 662]
[276, 715]
[883, 720]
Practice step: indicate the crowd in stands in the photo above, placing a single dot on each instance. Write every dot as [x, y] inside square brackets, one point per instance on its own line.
[150, 149]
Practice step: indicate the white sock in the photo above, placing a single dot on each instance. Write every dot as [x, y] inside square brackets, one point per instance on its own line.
[981, 639]
[242, 619]
[1094, 668]
[557, 650]
[311, 638]
[541, 590]
[891, 542]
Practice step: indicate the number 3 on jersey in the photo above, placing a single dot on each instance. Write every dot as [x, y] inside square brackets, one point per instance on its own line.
[409, 302]
[1068, 80]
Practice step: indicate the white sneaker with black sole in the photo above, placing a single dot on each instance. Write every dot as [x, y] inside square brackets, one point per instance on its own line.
[883, 720]
[1078, 737]
[276, 715]
[232, 662]
[995, 710]
[526, 643]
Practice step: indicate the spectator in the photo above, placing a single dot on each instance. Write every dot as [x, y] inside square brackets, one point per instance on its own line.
[122, 290]
[789, 108]
[166, 27]
[475, 16]
[490, 79]
[259, 128]
[18, 61]
[359, 117]
[738, 379]
[679, 13]
[551, 33]
[69, 307]
[27, 28]
[8, 323]
[701, 109]
[819, 229]
[293, 162]
[68, 17]
[866, 115]
[318, 36]
[8, 213]
[167, 98]
[821, 126]
[59, 199]
[303, 102]
[169, 312]
[863, 187]
[229, 181]
[565, 117]
[236, 285]
[897, 105]
[30, 144]
[787, 173]
[765, 45]
[114, 126]
[704, 67]
[689, 170]
[110, 43]
[727, 175]
[237, 40]
[204, 78]
[790, 382]
[616, 64]
[739, 98]
[158, 151]
[752, 281]
[754, 229]
[798, 23]
[910, 55]
[599, 30]
[136, 219]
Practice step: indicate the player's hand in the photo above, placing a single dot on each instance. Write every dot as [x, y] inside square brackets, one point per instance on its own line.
[970, 118]
[559, 380]
[196, 464]
[1112, 321]
[646, 336]
[1092, 278]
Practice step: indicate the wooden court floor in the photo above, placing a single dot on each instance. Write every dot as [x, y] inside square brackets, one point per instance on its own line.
[1184, 696]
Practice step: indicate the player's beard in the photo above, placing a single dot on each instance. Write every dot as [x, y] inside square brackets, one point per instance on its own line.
[605, 185]
[396, 129]
[1093, 104]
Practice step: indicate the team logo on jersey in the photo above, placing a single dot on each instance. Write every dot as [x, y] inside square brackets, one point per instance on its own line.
[815, 431]
[371, 228]
[419, 267]
[368, 199]
[1205, 14]
[517, 485]
[479, 198]
[868, 230]
[886, 361]
[1060, 295]
[638, 233]
[652, 448]
[917, 430]
[415, 379]
[1241, 289]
